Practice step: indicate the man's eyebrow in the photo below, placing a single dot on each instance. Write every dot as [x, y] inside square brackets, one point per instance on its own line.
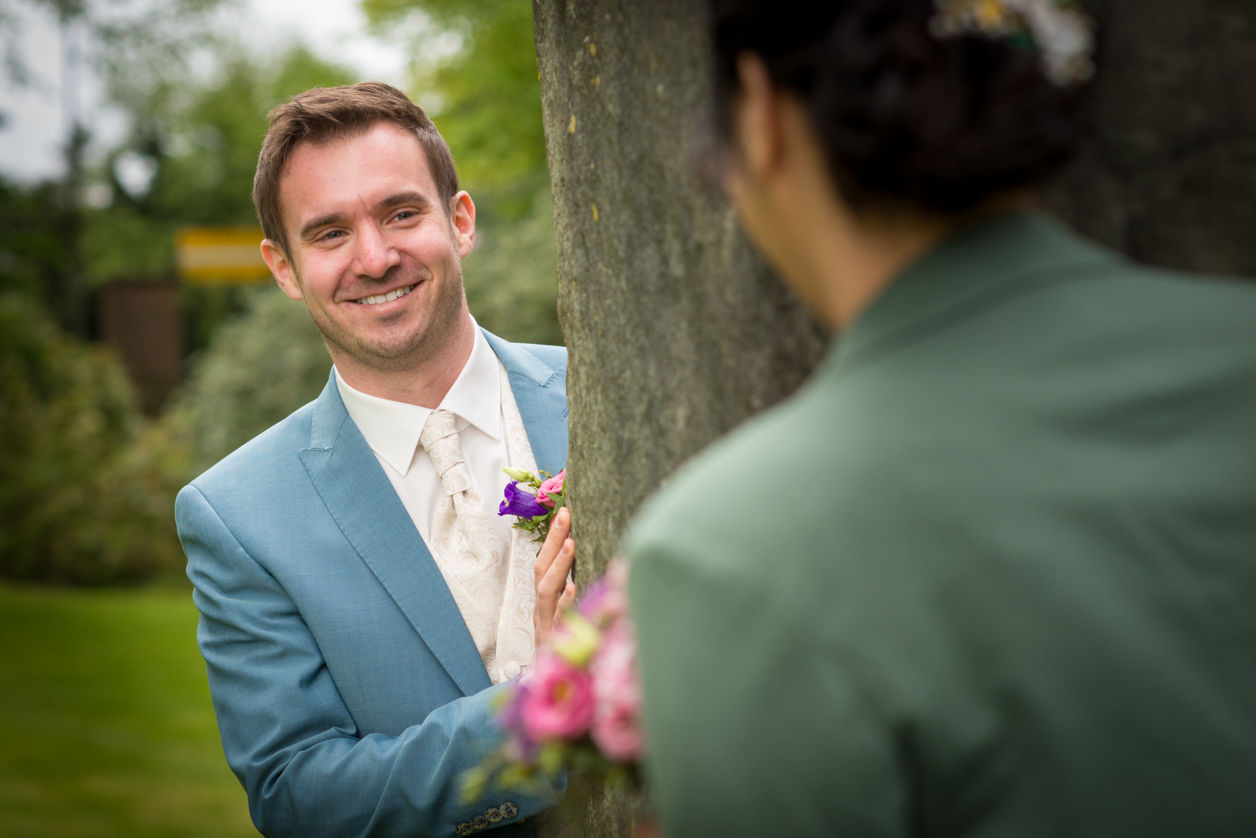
[408, 197]
[310, 227]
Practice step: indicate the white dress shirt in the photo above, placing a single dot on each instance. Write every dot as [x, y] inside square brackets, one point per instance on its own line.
[392, 431]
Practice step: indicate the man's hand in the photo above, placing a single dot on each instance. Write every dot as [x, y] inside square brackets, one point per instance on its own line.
[553, 564]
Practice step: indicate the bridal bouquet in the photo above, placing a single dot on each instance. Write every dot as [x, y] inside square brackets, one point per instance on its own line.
[580, 706]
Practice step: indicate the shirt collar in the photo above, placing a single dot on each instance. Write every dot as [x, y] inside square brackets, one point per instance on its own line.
[392, 429]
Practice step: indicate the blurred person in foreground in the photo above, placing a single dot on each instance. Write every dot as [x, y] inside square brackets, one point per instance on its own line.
[361, 602]
[992, 570]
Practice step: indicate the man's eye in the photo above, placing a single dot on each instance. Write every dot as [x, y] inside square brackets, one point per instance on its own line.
[330, 235]
[404, 214]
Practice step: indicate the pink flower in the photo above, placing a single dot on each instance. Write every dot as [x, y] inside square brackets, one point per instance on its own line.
[557, 700]
[607, 599]
[617, 730]
[552, 486]
[617, 717]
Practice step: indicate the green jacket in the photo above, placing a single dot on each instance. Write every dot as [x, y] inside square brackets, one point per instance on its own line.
[991, 572]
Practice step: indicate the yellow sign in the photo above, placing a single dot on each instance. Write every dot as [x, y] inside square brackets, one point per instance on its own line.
[220, 255]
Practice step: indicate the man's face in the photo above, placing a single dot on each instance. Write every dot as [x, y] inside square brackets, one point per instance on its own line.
[373, 252]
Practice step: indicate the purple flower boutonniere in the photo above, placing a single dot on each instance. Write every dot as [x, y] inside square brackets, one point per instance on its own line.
[534, 499]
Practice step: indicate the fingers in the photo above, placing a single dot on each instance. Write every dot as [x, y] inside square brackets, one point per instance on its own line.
[559, 529]
[568, 597]
[553, 566]
[552, 585]
[545, 617]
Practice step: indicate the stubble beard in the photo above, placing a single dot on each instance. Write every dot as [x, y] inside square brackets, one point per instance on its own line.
[424, 342]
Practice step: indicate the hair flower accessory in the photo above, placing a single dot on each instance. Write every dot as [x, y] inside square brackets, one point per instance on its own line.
[1058, 30]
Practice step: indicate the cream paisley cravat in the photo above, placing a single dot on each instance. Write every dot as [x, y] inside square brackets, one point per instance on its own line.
[468, 546]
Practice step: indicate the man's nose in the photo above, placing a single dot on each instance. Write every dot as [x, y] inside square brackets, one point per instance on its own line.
[375, 254]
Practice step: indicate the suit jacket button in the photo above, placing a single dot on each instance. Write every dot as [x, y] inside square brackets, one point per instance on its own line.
[512, 669]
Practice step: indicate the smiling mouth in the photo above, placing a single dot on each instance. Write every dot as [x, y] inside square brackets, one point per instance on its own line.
[376, 299]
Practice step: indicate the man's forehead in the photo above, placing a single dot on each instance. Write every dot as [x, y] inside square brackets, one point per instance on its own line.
[377, 133]
[366, 165]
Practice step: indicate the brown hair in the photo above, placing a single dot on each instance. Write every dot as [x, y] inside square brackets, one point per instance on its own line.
[324, 114]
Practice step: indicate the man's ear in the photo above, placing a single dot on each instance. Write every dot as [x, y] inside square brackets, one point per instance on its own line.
[462, 219]
[757, 117]
[281, 269]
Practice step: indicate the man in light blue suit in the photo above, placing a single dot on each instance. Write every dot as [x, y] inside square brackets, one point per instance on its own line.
[353, 664]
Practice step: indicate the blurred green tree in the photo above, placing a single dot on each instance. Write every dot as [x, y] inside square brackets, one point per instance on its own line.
[134, 46]
[475, 72]
[194, 104]
[31, 248]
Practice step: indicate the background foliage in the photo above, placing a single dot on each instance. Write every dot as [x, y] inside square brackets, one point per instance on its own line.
[67, 411]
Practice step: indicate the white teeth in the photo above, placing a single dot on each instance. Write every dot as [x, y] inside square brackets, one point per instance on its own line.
[386, 298]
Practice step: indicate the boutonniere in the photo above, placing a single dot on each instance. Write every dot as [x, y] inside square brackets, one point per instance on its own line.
[534, 499]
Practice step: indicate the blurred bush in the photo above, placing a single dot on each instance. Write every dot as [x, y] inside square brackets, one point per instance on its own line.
[87, 489]
[512, 275]
[264, 363]
[69, 418]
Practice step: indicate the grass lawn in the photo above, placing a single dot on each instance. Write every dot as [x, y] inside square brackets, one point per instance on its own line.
[105, 719]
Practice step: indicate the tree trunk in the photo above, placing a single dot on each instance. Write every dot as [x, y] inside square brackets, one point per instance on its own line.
[1169, 177]
[676, 330]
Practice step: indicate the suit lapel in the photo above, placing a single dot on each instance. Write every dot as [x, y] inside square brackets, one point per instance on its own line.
[361, 500]
[540, 391]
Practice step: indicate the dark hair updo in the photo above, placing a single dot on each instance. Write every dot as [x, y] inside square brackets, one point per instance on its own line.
[905, 117]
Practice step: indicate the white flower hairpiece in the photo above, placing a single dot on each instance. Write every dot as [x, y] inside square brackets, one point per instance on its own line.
[1057, 29]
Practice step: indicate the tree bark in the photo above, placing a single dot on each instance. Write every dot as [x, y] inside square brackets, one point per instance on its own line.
[1169, 176]
[676, 330]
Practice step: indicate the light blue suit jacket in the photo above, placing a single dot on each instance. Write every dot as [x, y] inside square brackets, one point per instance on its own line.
[349, 693]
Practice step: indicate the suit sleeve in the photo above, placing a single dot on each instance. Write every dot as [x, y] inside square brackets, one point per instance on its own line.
[751, 727]
[288, 735]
